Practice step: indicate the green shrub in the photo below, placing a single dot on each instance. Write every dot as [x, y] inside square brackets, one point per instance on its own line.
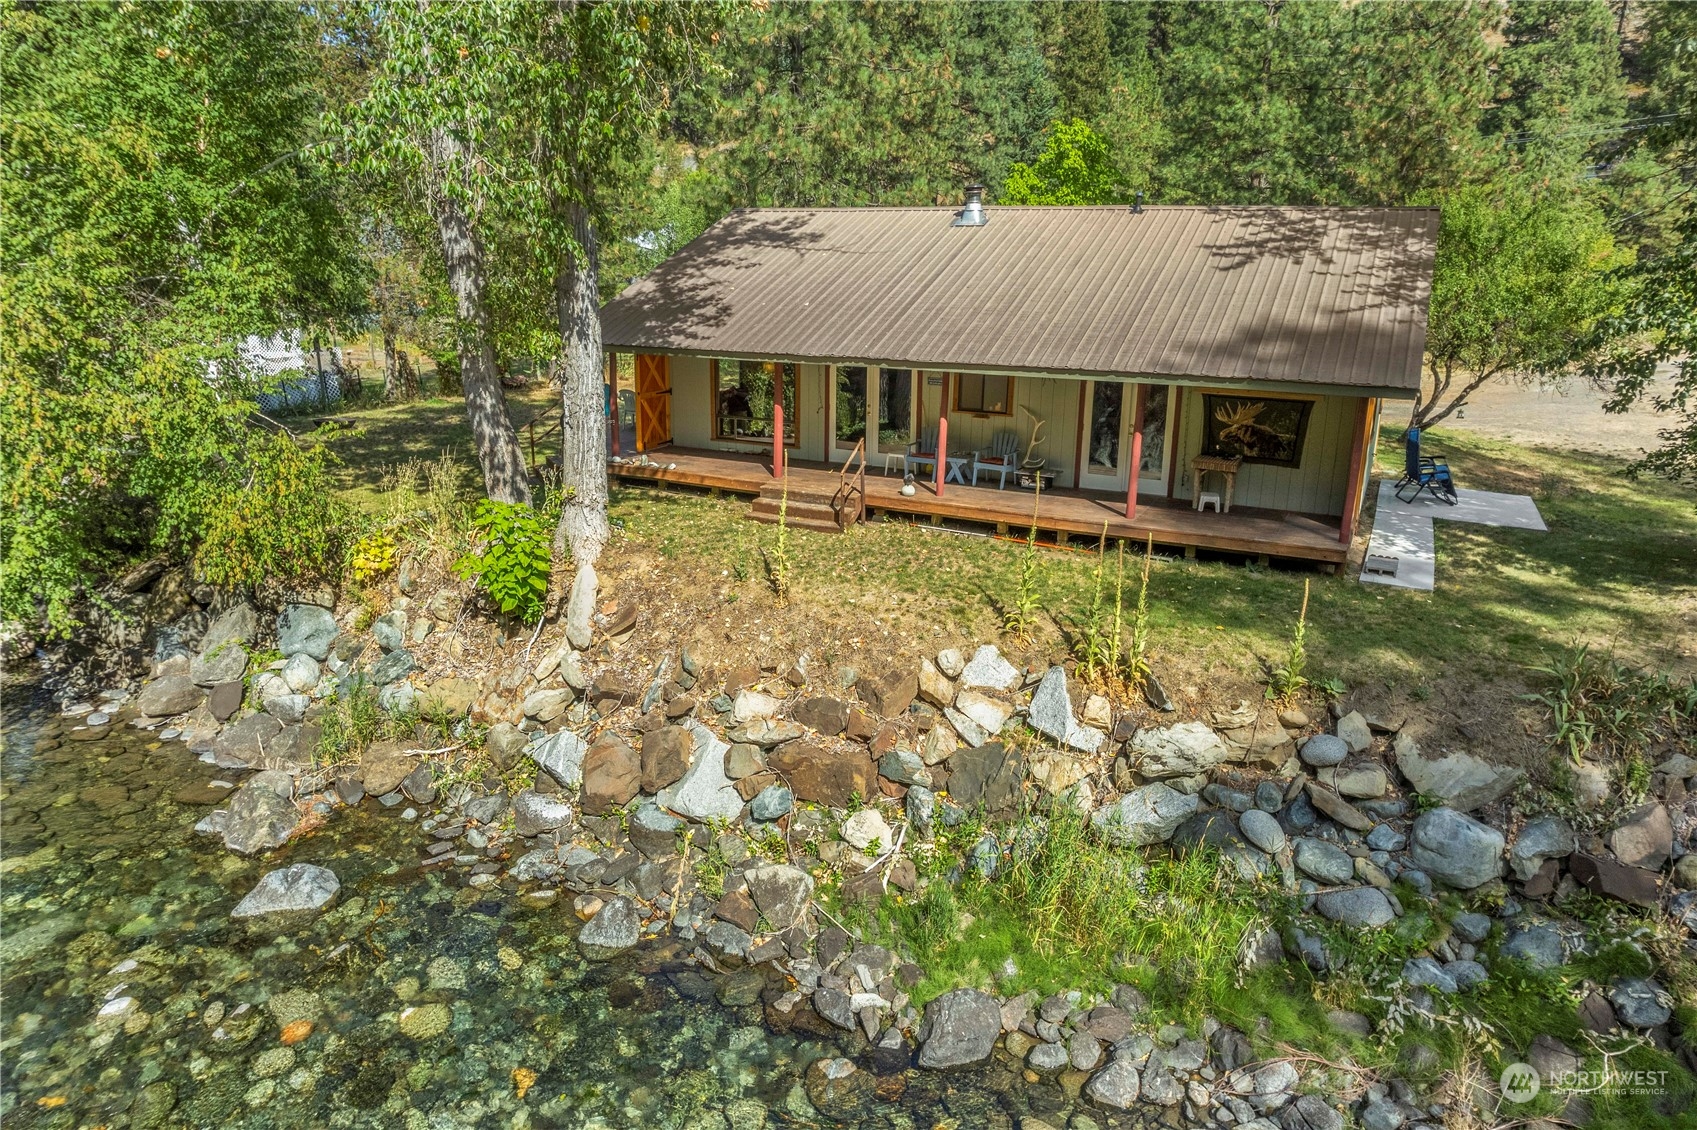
[514, 559]
[283, 521]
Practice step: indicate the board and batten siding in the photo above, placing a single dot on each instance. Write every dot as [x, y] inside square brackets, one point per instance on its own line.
[692, 410]
[1052, 400]
[1317, 486]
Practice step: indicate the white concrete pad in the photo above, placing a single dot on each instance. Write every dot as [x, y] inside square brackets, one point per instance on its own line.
[1403, 531]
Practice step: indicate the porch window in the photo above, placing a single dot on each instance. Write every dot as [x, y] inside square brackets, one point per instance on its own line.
[895, 409]
[743, 396]
[851, 404]
[988, 396]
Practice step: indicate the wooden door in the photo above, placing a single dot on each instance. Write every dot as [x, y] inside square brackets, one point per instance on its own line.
[653, 401]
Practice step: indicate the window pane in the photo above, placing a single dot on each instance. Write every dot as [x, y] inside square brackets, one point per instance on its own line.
[976, 393]
[746, 393]
[1154, 430]
[851, 404]
[895, 409]
[1106, 405]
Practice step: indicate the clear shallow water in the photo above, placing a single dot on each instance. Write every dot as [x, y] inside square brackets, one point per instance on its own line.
[429, 1005]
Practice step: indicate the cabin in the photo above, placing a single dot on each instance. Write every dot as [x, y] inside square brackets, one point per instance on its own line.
[1210, 377]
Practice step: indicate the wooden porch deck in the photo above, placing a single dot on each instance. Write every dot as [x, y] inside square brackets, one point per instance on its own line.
[1257, 533]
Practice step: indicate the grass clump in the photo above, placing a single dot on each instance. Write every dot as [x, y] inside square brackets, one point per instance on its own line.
[1600, 705]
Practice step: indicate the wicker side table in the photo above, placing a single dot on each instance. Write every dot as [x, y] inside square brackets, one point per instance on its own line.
[1223, 465]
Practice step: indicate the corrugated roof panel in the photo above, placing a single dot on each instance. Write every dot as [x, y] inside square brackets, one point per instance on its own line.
[1301, 295]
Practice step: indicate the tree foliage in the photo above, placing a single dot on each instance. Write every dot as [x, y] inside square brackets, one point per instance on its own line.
[158, 154]
[1076, 167]
[1520, 280]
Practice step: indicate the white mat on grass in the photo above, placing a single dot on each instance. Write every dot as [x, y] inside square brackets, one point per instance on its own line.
[1403, 530]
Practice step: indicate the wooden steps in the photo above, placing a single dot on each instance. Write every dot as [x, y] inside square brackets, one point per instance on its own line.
[806, 509]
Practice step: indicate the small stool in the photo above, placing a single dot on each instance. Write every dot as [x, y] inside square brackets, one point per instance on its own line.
[895, 459]
[1205, 498]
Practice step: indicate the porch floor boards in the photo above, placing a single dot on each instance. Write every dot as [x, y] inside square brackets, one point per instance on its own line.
[1255, 532]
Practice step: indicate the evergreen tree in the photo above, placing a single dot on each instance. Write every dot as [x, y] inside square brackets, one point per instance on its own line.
[840, 103]
[1561, 94]
[1078, 52]
[1006, 95]
[1320, 103]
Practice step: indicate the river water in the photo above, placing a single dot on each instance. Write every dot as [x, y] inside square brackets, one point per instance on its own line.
[128, 996]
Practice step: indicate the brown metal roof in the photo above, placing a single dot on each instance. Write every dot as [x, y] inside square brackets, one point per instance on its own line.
[1324, 296]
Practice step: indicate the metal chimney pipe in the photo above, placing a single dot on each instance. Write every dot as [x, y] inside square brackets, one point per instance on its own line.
[972, 214]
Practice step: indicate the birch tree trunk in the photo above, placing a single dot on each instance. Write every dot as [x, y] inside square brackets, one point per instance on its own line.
[581, 374]
[505, 476]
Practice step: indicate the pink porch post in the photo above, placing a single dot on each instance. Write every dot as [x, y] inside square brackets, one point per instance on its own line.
[1136, 457]
[778, 437]
[942, 436]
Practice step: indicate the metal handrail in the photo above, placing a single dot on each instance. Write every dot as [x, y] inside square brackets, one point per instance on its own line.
[858, 491]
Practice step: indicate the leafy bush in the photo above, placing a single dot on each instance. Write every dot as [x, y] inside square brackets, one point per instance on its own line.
[374, 556]
[515, 559]
[285, 521]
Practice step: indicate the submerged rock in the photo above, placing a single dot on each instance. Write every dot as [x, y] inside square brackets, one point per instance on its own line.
[300, 887]
[262, 813]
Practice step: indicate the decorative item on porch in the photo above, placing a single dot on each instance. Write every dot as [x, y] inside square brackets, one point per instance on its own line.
[908, 487]
[1031, 467]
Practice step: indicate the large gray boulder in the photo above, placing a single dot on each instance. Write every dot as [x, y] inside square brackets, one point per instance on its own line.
[297, 888]
[262, 813]
[959, 1030]
[614, 928]
[1460, 780]
[780, 892]
[1456, 849]
[1325, 862]
[534, 814]
[238, 623]
[655, 833]
[989, 671]
[561, 756]
[1358, 907]
[174, 694]
[1183, 750]
[1146, 815]
[306, 629]
[704, 793]
[1547, 837]
[247, 741]
[219, 663]
[1116, 1086]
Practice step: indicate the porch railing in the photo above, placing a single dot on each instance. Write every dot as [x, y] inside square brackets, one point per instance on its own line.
[849, 501]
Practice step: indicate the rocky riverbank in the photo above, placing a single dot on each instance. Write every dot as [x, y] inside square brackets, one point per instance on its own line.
[734, 816]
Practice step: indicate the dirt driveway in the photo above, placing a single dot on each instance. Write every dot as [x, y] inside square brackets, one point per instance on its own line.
[1570, 417]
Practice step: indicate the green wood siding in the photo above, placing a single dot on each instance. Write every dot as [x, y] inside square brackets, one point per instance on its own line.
[1317, 486]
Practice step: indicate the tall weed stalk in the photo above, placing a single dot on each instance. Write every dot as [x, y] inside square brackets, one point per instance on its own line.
[1021, 615]
[778, 563]
[1288, 680]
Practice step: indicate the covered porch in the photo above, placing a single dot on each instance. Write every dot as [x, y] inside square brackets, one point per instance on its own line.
[1061, 513]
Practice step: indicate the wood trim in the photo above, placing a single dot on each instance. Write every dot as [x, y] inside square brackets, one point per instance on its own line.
[1083, 427]
[1177, 434]
[1357, 455]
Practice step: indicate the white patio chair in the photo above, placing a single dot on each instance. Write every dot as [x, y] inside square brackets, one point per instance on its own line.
[922, 452]
[1000, 458]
